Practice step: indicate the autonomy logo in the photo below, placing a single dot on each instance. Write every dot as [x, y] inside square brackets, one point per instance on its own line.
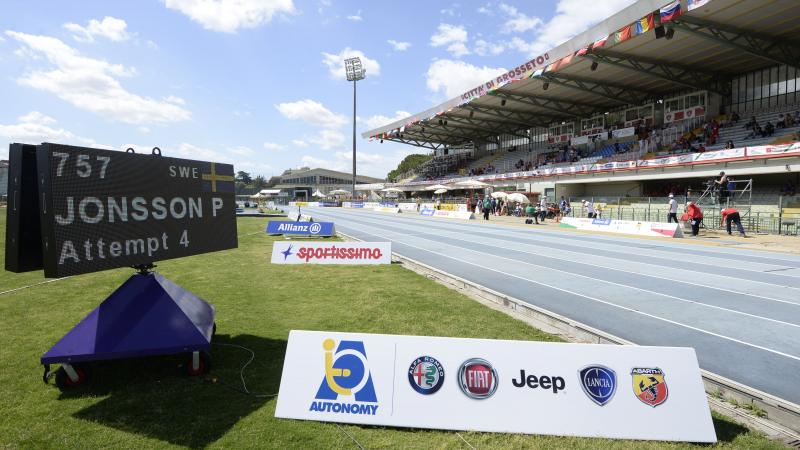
[315, 228]
[477, 378]
[346, 374]
[426, 375]
[649, 385]
[599, 383]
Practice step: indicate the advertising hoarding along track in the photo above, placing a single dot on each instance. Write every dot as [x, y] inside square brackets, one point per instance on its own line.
[350, 253]
[103, 209]
[301, 228]
[625, 392]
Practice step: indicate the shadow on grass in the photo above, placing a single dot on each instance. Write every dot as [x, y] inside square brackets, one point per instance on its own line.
[151, 397]
[728, 430]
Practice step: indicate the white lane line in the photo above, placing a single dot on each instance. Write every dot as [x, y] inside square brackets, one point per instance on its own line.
[588, 297]
[32, 285]
[620, 248]
[653, 266]
[514, 260]
[617, 241]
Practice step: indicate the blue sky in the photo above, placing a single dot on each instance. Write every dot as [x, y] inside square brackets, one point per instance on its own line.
[258, 83]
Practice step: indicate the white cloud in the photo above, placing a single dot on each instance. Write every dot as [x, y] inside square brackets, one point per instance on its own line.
[174, 99]
[273, 146]
[228, 16]
[379, 120]
[335, 63]
[355, 17]
[143, 130]
[572, 17]
[456, 77]
[399, 45]
[89, 83]
[311, 112]
[110, 28]
[485, 10]
[327, 139]
[518, 22]
[35, 128]
[453, 36]
[190, 151]
[299, 143]
[241, 151]
[484, 48]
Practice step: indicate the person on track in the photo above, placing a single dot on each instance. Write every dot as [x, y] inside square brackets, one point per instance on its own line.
[590, 212]
[542, 208]
[695, 217]
[731, 215]
[673, 209]
[487, 207]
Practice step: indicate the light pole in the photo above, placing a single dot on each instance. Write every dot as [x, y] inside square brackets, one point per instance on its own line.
[355, 72]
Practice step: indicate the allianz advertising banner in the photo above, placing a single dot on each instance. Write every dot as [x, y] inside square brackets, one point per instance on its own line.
[592, 390]
[301, 228]
[332, 253]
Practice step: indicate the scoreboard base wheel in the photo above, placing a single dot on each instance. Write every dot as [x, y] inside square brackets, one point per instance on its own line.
[199, 367]
[79, 377]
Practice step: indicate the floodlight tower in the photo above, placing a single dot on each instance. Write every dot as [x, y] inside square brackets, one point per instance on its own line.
[355, 72]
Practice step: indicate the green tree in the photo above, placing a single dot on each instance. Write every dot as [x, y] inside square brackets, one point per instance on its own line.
[273, 181]
[259, 182]
[408, 163]
[244, 177]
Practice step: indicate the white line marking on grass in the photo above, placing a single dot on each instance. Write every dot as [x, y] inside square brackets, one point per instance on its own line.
[588, 297]
[32, 285]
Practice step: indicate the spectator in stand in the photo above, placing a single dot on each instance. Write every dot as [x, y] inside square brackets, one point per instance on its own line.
[769, 129]
[728, 216]
[752, 124]
[729, 145]
[695, 216]
[781, 123]
[673, 209]
[788, 188]
[735, 117]
[789, 120]
[590, 212]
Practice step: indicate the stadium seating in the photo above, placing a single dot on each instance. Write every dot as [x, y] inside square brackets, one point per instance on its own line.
[738, 132]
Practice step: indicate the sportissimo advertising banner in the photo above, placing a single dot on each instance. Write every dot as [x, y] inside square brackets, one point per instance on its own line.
[612, 391]
[331, 252]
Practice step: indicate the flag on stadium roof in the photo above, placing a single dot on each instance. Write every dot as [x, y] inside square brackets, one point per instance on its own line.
[599, 43]
[582, 51]
[623, 34]
[671, 11]
[644, 25]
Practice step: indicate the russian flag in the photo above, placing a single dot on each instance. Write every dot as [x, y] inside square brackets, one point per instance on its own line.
[670, 11]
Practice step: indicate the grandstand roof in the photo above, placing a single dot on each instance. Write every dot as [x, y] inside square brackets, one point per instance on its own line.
[711, 44]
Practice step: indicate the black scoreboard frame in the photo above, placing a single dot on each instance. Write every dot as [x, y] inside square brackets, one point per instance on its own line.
[75, 210]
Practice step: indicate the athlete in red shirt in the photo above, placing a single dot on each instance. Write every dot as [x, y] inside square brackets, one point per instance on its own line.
[731, 215]
[695, 217]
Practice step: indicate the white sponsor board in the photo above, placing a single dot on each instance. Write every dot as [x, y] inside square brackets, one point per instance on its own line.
[295, 216]
[623, 132]
[611, 391]
[785, 149]
[331, 252]
[387, 209]
[407, 206]
[658, 229]
[720, 154]
[466, 215]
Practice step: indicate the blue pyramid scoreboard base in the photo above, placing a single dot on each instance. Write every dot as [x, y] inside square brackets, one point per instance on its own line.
[148, 315]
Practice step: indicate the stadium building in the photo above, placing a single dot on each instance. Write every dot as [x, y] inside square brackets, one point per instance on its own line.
[656, 99]
[304, 182]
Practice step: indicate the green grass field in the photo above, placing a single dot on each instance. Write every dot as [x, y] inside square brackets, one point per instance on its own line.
[146, 403]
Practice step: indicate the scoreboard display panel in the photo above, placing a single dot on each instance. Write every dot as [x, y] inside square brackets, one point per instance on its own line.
[103, 209]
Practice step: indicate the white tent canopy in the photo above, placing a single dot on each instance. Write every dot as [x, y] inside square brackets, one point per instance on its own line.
[471, 184]
[318, 194]
[392, 189]
[499, 194]
[440, 191]
[436, 187]
[517, 197]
